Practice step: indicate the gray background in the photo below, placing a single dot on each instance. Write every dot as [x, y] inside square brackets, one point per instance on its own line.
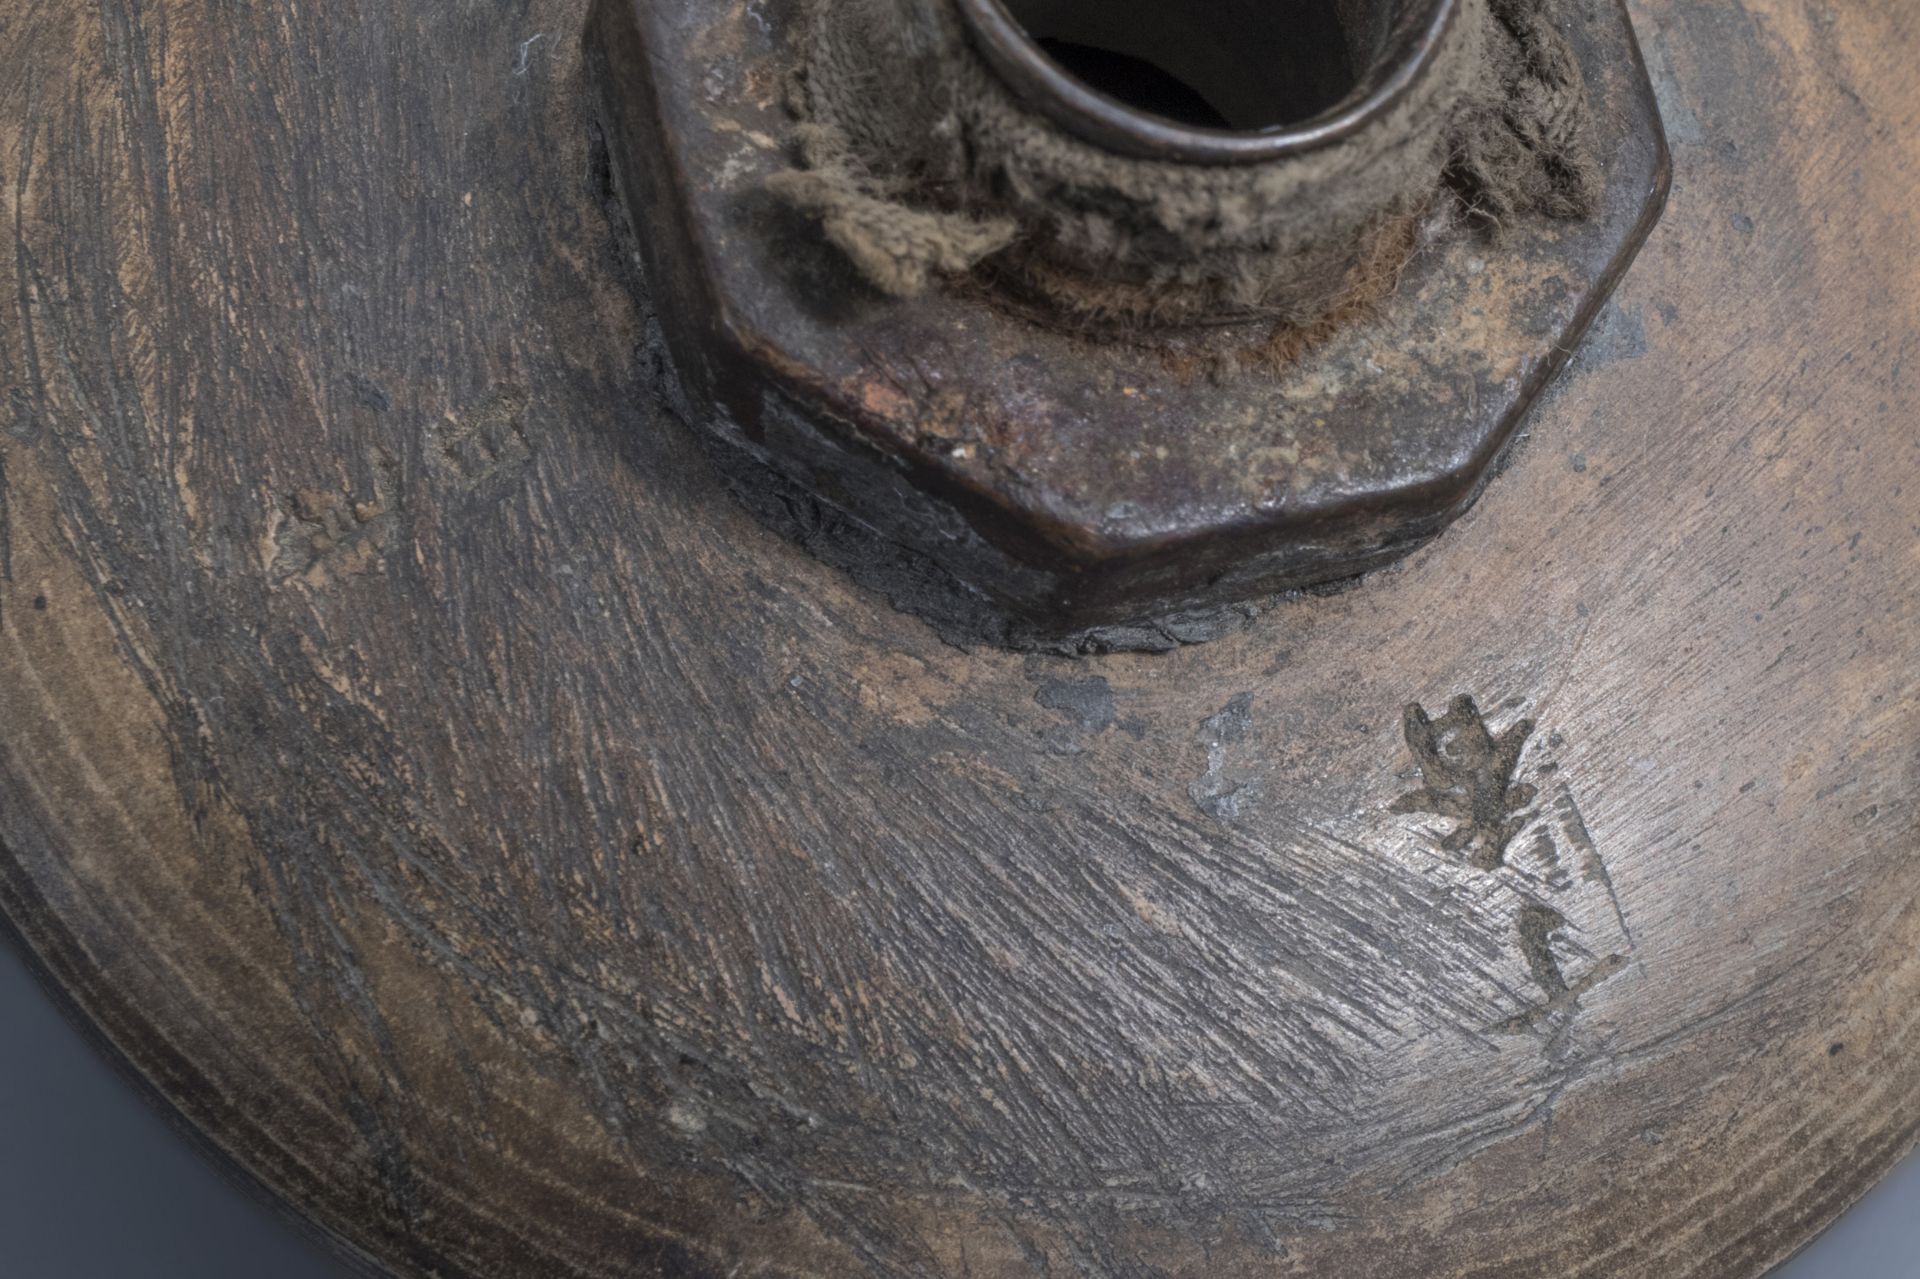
[94, 1184]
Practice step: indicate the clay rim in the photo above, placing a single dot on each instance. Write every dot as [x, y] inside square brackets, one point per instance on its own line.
[1045, 86]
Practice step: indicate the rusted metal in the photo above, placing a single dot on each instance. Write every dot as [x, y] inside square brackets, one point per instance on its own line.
[1056, 483]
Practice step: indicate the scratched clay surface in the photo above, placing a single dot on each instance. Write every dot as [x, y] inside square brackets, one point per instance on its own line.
[495, 841]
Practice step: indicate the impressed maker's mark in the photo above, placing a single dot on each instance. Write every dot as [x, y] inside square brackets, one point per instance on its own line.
[1525, 841]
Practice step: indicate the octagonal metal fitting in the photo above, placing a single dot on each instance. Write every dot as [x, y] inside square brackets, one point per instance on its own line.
[1028, 485]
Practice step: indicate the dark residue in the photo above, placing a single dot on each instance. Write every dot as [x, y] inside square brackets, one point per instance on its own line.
[1089, 702]
[1233, 721]
[368, 394]
[1222, 792]
[1619, 334]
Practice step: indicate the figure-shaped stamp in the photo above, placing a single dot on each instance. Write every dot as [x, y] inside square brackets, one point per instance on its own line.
[1469, 778]
[1531, 845]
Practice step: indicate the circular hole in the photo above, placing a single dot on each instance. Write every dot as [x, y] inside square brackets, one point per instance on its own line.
[1244, 65]
[1210, 81]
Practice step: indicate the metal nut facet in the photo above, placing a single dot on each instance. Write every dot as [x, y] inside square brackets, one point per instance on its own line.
[1021, 483]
